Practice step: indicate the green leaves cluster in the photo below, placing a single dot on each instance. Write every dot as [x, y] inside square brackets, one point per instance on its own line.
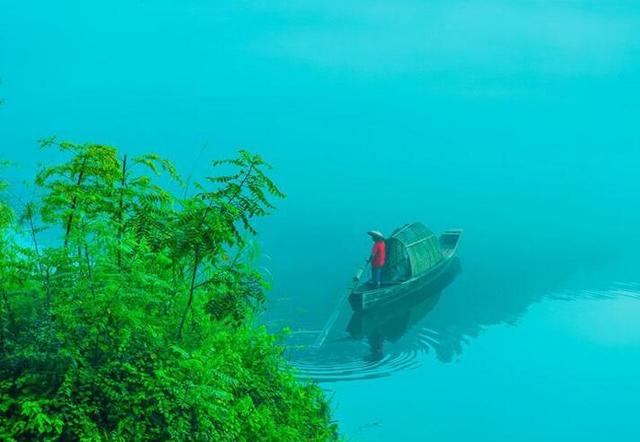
[126, 311]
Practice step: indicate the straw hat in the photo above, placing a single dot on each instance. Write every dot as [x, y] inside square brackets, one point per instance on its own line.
[375, 233]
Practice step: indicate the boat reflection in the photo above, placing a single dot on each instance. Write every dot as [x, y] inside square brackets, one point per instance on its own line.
[444, 319]
[391, 322]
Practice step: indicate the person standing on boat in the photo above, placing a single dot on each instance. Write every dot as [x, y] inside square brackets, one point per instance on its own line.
[378, 256]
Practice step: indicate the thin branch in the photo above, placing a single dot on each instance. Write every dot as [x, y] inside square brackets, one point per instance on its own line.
[45, 272]
[196, 263]
[188, 183]
[123, 185]
[244, 180]
[74, 203]
[32, 229]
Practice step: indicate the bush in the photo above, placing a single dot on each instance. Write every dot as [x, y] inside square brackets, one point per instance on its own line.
[129, 314]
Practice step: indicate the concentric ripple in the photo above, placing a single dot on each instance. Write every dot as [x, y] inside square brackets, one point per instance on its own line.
[354, 360]
[355, 369]
[386, 346]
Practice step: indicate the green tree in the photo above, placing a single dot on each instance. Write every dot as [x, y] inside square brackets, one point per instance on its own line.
[126, 312]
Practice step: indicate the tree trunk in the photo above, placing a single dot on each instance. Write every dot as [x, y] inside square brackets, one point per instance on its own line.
[196, 263]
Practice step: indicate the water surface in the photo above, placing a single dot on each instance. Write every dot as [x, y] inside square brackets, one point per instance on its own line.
[516, 121]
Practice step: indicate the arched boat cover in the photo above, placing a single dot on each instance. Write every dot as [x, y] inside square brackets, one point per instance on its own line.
[411, 250]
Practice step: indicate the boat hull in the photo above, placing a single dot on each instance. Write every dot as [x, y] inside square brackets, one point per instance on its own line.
[362, 299]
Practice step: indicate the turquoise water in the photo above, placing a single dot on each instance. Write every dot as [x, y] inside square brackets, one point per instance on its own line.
[516, 121]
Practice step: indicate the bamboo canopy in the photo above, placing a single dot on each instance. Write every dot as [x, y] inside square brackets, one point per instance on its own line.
[411, 250]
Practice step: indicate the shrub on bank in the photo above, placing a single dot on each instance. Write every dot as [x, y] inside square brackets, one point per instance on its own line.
[126, 309]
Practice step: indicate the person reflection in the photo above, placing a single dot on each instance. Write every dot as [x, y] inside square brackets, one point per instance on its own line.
[376, 344]
[395, 320]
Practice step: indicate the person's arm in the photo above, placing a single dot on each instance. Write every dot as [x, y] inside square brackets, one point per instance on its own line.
[373, 254]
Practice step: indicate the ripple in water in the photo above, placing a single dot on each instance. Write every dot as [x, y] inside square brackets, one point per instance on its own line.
[399, 338]
[378, 343]
[324, 366]
[376, 346]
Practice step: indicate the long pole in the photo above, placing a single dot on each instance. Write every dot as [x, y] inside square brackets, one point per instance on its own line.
[334, 316]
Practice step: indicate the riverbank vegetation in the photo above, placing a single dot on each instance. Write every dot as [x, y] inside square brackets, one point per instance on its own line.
[126, 309]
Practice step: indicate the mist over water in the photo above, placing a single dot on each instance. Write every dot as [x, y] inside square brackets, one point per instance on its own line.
[516, 121]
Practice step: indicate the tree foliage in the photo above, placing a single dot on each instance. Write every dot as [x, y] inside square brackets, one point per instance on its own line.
[126, 311]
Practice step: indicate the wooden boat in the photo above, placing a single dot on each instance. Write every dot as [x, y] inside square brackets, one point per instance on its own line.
[416, 258]
[394, 320]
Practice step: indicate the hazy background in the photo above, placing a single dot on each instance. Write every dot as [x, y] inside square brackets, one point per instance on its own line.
[515, 120]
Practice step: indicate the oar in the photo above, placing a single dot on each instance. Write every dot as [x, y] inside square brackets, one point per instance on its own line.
[334, 316]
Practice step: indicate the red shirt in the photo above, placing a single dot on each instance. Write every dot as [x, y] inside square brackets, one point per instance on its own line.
[379, 253]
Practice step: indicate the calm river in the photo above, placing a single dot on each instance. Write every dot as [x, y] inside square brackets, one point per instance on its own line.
[515, 121]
